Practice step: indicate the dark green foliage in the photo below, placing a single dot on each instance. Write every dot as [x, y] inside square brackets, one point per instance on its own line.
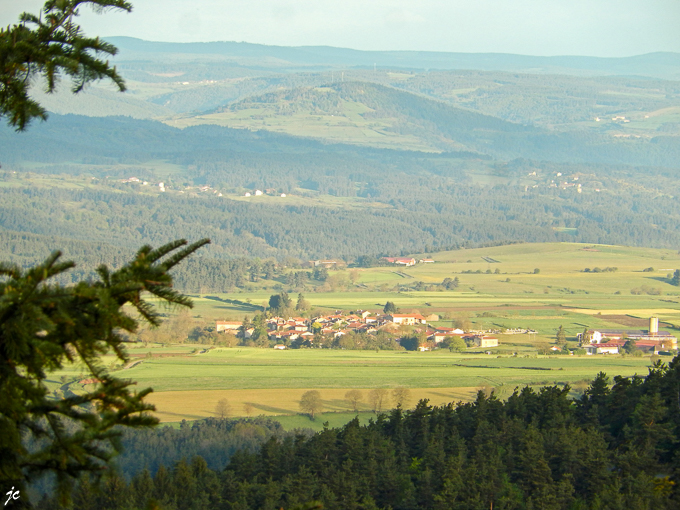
[630, 347]
[450, 283]
[390, 307]
[302, 304]
[455, 344]
[48, 46]
[280, 304]
[410, 343]
[44, 326]
[675, 280]
[561, 336]
[368, 261]
[212, 439]
[260, 335]
[320, 273]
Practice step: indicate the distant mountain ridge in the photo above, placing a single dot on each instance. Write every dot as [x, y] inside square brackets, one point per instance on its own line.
[665, 65]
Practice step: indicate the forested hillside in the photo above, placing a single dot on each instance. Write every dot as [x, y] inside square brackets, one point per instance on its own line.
[61, 186]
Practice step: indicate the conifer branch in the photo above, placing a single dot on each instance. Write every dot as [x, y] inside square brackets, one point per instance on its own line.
[49, 46]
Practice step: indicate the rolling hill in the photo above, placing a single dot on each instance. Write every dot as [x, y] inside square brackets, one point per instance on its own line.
[370, 114]
[364, 114]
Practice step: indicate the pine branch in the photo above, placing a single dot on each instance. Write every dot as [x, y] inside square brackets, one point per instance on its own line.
[42, 325]
[49, 46]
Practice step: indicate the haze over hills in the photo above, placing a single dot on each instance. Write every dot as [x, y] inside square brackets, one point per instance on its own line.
[526, 197]
[372, 160]
[167, 79]
[256, 56]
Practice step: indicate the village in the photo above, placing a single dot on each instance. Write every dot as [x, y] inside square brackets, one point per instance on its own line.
[295, 332]
[301, 331]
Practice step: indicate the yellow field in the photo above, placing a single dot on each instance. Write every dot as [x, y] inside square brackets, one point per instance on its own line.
[174, 406]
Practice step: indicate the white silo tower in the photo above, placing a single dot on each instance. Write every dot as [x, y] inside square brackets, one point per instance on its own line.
[653, 325]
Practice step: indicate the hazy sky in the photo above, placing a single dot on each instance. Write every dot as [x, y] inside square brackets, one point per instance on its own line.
[531, 27]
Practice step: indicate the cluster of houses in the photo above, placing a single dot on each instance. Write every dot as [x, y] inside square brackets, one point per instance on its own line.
[269, 191]
[286, 331]
[610, 341]
[162, 188]
[406, 261]
[137, 180]
[205, 189]
[397, 261]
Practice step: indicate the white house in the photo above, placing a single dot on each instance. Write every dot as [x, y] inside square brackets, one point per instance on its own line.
[227, 326]
[602, 349]
[408, 319]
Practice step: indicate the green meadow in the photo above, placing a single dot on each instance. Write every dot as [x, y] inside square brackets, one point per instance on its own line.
[188, 384]
[272, 382]
[251, 368]
[499, 288]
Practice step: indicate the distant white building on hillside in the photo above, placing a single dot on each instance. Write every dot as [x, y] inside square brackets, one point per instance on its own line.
[227, 326]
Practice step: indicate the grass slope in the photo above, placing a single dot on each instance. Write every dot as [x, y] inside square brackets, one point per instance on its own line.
[360, 113]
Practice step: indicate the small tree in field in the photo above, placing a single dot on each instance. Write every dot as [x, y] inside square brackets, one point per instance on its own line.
[249, 409]
[675, 279]
[223, 409]
[390, 307]
[456, 344]
[353, 397]
[378, 398]
[401, 396]
[280, 304]
[302, 303]
[561, 336]
[311, 403]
